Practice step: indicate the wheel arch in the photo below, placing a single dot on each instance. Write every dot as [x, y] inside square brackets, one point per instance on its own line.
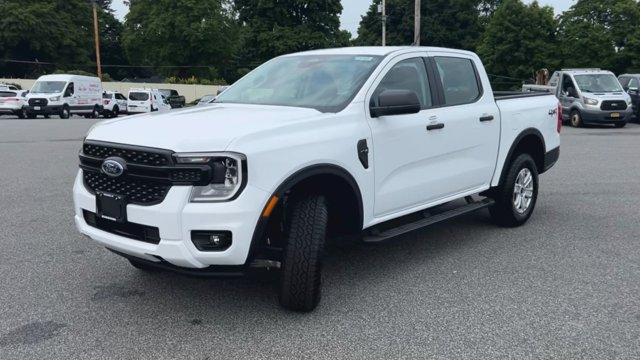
[528, 141]
[330, 180]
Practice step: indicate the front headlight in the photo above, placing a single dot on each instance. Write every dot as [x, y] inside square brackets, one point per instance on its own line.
[590, 101]
[229, 175]
[55, 98]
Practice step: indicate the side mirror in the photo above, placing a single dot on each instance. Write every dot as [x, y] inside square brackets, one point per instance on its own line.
[395, 102]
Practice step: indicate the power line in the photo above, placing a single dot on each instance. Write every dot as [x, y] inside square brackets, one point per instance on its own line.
[105, 65]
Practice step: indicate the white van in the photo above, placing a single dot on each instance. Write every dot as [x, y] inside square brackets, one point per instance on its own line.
[64, 95]
[146, 100]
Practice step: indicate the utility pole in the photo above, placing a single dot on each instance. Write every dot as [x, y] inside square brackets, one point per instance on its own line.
[382, 8]
[96, 37]
[416, 25]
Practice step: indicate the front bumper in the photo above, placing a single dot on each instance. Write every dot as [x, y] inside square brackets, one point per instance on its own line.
[597, 116]
[175, 218]
[44, 110]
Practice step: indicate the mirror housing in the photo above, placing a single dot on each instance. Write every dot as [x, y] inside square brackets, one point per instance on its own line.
[395, 102]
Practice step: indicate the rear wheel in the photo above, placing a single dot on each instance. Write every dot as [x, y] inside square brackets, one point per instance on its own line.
[22, 113]
[300, 281]
[517, 195]
[95, 112]
[115, 111]
[576, 119]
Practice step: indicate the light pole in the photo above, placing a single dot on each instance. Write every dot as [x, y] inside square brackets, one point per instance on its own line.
[382, 8]
[96, 37]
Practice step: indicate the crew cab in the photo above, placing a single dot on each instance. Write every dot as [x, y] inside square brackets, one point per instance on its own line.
[589, 96]
[354, 143]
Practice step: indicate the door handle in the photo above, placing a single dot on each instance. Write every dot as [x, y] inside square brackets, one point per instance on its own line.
[435, 126]
[486, 118]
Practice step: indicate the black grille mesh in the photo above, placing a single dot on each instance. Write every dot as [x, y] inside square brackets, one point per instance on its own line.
[38, 102]
[613, 105]
[143, 192]
[130, 156]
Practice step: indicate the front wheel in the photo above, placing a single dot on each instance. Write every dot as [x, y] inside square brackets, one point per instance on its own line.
[516, 197]
[300, 281]
[64, 113]
[576, 119]
[22, 113]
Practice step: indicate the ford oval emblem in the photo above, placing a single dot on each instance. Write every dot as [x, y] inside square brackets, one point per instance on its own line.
[113, 166]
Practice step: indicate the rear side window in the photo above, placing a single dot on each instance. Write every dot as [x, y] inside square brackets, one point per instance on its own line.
[7, 94]
[459, 80]
[107, 96]
[409, 74]
[138, 96]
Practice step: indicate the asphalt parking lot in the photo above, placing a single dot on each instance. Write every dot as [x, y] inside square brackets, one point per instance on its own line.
[565, 285]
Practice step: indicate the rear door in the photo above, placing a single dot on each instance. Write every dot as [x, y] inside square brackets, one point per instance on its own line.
[469, 141]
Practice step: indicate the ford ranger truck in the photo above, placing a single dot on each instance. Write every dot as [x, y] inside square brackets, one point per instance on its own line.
[341, 144]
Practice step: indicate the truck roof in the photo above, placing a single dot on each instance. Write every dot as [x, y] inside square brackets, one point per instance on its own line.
[586, 71]
[378, 50]
[66, 77]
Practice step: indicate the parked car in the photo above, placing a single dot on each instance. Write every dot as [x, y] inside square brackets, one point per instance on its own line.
[65, 95]
[338, 143]
[205, 100]
[631, 84]
[145, 100]
[113, 103]
[4, 86]
[13, 102]
[174, 99]
[589, 96]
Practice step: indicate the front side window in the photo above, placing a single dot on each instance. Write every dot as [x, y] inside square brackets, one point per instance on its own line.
[567, 84]
[107, 96]
[69, 91]
[459, 80]
[326, 83]
[409, 74]
[598, 83]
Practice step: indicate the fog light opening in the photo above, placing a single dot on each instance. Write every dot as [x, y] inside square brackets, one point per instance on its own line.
[211, 240]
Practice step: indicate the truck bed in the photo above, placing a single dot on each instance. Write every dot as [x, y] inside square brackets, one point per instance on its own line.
[504, 95]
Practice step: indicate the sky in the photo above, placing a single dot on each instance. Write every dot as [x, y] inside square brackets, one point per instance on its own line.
[354, 9]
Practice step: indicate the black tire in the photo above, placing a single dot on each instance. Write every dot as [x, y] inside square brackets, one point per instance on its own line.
[142, 266]
[47, 116]
[575, 119]
[115, 112]
[300, 281]
[64, 113]
[95, 113]
[31, 115]
[504, 212]
[22, 113]
[620, 124]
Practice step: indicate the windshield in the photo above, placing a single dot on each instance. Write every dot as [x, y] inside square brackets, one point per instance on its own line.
[598, 83]
[206, 99]
[138, 96]
[48, 87]
[323, 82]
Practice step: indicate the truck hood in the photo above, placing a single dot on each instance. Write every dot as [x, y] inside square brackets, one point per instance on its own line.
[607, 96]
[208, 128]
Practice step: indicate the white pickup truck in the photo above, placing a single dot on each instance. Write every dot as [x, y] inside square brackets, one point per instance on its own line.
[361, 142]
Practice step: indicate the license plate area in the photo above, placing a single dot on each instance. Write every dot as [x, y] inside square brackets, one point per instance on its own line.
[111, 207]
[36, 108]
[615, 115]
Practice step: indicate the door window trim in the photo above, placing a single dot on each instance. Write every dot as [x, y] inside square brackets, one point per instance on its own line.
[436, 73]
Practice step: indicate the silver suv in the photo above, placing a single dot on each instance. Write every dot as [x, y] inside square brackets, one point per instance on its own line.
[589, 96]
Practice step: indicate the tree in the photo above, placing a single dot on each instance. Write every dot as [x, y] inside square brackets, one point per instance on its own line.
[47, 31]
[519, 39]
[449, 23]
[597, 33]
[276, 27]
[186, 33]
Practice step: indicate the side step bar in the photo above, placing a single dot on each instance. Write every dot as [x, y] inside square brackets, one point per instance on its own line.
[373, 237]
